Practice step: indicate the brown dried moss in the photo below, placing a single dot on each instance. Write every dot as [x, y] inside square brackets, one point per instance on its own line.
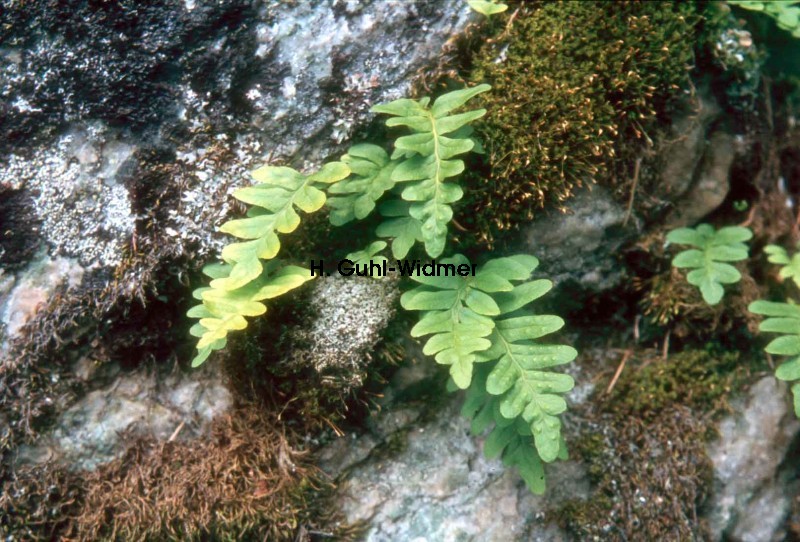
[645, 447]
[246, 482]
[671, 301]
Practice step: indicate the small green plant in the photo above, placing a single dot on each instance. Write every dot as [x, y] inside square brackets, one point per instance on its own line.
[480, 328]
[473, 320]
[427, 159]
[241, 284]
[791, 265]
[785, 12]
[487, 7]
[783, 318]
[708, 259]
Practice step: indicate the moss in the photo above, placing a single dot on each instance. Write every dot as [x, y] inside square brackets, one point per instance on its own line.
[245, 482]
[669, 300]
[575, 85]
[645, 447]
[693, 379]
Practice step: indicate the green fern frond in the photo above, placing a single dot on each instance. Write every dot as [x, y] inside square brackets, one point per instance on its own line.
[274, 197]
[461, 315]
[487, 7]
[713, 249]
[785, 12]
[368, 255]
[785, 319]
[427, 157]
[791, 265]
[240, 284]
[370, 179]
[510, 439]
[223, 311]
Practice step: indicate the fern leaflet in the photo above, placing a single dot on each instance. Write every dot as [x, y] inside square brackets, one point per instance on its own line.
[354, 198]
[714, 248]
[785, 319]
[791, 266]
[427, 157]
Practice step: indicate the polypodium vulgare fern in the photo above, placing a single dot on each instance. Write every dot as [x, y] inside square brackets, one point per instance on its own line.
[238, 287]
[791, 265]
[708, 259]
[371, 176]
[481, 320]
[783, 318]
[427, 158]
[472, 320]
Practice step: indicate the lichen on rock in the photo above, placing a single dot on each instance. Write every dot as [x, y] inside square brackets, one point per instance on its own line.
[345, 319]
[84, 210]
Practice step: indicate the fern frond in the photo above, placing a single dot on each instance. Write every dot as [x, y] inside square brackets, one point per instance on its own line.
[791, 265]
[461, 315]
[403, 229]
[370, 179]
[427, 157]
[223, 311]
[274, 197]
[487, 7]
[456, 313]
[713, 249]
[368, 255]
[240, 284]
[509, 439]
[785, 319]
[520, 375]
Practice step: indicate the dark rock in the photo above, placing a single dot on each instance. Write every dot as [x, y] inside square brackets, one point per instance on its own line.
[19, 228]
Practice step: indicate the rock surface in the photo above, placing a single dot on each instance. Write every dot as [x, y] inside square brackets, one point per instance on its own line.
[92, 430]
[124, 129]
[750, 503]
[579, 248]
[419, 475]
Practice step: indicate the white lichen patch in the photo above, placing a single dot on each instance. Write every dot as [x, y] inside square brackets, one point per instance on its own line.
[210, 172]
[84, 209]
[349, 317]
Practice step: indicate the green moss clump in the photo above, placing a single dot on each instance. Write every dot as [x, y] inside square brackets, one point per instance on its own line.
[645, 448]
[573, 84]
[693, 379]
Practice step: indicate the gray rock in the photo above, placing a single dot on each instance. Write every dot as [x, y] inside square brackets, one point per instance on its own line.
[22, 293]
[580, 246]
[92, 430]
[76, 187]
[680, 153]
[440, 487]
[418, 474]
[749, 503]
[711, 184]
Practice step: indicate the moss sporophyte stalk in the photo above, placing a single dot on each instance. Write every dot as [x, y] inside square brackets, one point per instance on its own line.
[406, 268]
